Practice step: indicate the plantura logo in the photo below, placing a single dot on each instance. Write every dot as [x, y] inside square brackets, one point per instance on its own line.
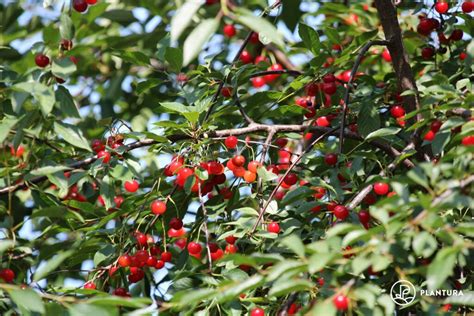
[403, 292]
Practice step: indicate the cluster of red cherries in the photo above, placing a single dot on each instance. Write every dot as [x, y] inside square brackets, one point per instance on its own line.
[82, 5]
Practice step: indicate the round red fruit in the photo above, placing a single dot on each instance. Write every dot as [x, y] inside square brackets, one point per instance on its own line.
[194, 248]
[290, 179]
[468, 140]
[124, 261]
[381, 188]
[231, 239]
[7, 275]
[341, 212]
[397, 111]
[104, 155]
[41, 60]
[231, 142]
[91, 2]
[131, 186]
[330, 159]
[427, 53]
[467, 6]
[166, 256]
[90, 285]
[273, 227]
[79, 5]
[341, 302]
[183, 175]
[258, 82]
[246, 57]
[176, 223]
[158, 207]
[229, 30]
[386, 55]
[441, 7]
[257, 311]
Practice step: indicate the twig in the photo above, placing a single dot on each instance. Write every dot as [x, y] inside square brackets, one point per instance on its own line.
[247, 118]
[345, 105]
[276, 72]
[206, 231]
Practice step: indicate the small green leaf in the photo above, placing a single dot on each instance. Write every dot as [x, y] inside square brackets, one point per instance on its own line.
[268, 33]
[310, 38]
[51, 264]
[295, 244]
[66, 27]
[28, 300]
[43, 94]
[63, 67]
[183, 17]
[199, 36]
[107, 191]
[72, 135]
[424, 244]
[174, 57]
[65, 102]
[89, 309]
[368, 119]
[441, 267]
[387, 131]
[6, 124]
[285, 287]
[318, 261]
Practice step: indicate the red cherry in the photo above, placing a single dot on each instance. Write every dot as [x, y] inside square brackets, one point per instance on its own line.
[229, 30]
[121, 292]
[90, 285]
[260, 59]
[66, 44]
[456, 35]
[79, 5]
[41, 60]
[231, 239]
[231, 248]
[166, 256]
[427, 53]
[131, 186]
[158, 207]
[293, 309]
[238, 161]
[273, 77]
[7, 275]
[217, 255]
[329, 78]
[183, 175]
[250, 176]
[254, 38]
[441, 7]
[346, 76]
[97, 145]
[253, 166]
[231, 142]
[312, 89]
[323, 121]
[273, 227]
[194, 248]
[118, 200]
[226, 92]
[281, 142]
[18, 152]
[462, 56]
[104, 155]
[151, 261]
[330, 159]
[467, 6]
[257, 311]
[245, 57]
[290, 179]
[364, 217]
[429, 136]
[181, 243]
[91, 2]
[258, 82]
[397, 111]
[141, 239]
[329, 88]
[436, 125]
[425, 27]
[381, 188]
[386, 55]
[124, 261]
[468, 140]
[341, 302]
[176, 223]
[340, 211]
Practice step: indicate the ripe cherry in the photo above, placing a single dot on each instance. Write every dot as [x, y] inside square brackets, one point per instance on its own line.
[238, 161]
[79, 5]
[441, 7]
[151, 261]
[91, 2]
[462, 56]
[386, 55]
[246, 57]
[176, 223]
[253, 166]
[397, 111]
[41, 60]
[429, 136]
[231, 142]
[219, 253]
[341, 212]
[97, 145]
[18, 152]
[364, 217]
[231, 239]
[329, 78]
[131, 186]
[254, 38]
[467, 6]
[231, 248]
[427, 52]
[194, 248]
[341, 302]
[250, 176]
[329, 88]
[468, 140]
[104, 155]
[436, 125]
[141, 238]
[273, 77]
[226, 92]
[258, 82]
[124, 260]
[273, 227]
[7, 275]
[330, 159]
[239, 172]
[319, 192]
[290, 179]
[312, 89]
[257, 311]
[166, 256]
[90, 285]
[456, 35]
[381, 188]
[323, 121]
[260, 59]
[229, 30]
[183, 175]
[66, 44]
[158, 207]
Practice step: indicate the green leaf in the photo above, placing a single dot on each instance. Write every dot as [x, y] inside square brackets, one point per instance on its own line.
[48, 170]
[63, 67]
[310, 38]
[231, 292]
[268, 33]
[123, 17]
[65, 102]
[441, 267]
[387, 131]
[107, 192]
[441, 139]
[6, 125]
[325, 308]
[103, 254]
[110, 301]
[50, 265]
[135, 58]
[191, 113]
[27, 299]
[424, 244]
[66, 27]
[318, 261]
[295, 244]
[146, 85]
[72, 135]
[89, 309]
[368, 119]
[285, 287]
[183, 17]
[6, 244]
[174, 57]
[43, 94]
[266, 175]
[291, 13]
[199, 36]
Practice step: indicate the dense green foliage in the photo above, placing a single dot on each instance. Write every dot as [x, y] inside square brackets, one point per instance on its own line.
[155, 79]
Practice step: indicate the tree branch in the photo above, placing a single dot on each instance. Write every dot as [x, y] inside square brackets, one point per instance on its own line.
[345, 105]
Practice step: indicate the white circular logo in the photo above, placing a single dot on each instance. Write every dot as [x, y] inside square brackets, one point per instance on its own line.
[403, 292]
